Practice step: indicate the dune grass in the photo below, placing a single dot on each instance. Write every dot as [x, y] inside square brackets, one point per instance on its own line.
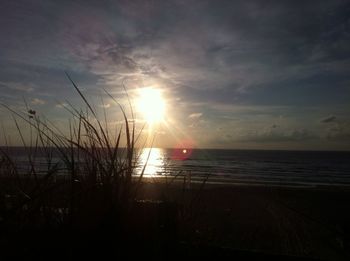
[91, 188]
[94, 171]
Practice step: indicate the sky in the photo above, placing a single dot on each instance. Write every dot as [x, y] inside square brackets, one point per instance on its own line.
[233, 74]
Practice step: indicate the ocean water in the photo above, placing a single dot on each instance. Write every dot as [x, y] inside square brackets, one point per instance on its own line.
[252, 167]
[255, 167]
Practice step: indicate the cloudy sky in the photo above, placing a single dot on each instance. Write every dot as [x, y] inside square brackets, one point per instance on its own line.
[234, 74]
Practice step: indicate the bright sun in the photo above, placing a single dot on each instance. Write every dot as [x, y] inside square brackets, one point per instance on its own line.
[151, 104]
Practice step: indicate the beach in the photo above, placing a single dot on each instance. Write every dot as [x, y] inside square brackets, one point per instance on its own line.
[303, 222]
[228, 220]
[214, 203]
[175, 130]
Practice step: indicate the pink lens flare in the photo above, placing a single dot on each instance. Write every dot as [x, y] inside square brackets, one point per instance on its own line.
[182, 150]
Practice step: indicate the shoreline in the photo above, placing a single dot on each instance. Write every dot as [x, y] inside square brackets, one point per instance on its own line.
[214, 182]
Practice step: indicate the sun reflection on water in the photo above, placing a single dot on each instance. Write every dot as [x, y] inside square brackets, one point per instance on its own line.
[155, 161]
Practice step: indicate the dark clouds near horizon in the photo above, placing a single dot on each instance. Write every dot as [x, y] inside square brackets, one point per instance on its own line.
[242, 65]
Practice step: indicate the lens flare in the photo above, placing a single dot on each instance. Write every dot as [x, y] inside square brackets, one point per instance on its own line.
[183, 150]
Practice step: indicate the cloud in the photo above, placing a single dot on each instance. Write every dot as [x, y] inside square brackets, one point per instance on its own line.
[243, 54]
[276, 136]
[238, 47]
[106, 106]
[329, 119]
[37, 101]
[61, 105]
[338, 131]
[18, 86]
[195, 115]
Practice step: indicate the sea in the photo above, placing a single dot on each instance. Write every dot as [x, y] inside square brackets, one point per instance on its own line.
[243, 167]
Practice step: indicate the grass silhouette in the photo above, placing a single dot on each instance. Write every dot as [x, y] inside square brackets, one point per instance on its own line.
[90, 193]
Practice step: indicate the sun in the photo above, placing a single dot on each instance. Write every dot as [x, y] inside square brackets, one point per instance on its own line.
[151, 104]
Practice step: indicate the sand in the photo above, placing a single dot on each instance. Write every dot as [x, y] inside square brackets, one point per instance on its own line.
[306, 222]
[303, 222]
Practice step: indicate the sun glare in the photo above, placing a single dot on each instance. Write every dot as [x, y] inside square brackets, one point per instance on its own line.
[151, 104]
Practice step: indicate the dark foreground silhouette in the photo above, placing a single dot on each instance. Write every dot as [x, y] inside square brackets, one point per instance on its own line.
[237, 222]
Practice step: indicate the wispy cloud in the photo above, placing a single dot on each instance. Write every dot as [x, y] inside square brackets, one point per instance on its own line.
[106, 106]
[61, 105]
[37, 101]
[239, 64]
[329, 119]
[18, 86]
[195, 115]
